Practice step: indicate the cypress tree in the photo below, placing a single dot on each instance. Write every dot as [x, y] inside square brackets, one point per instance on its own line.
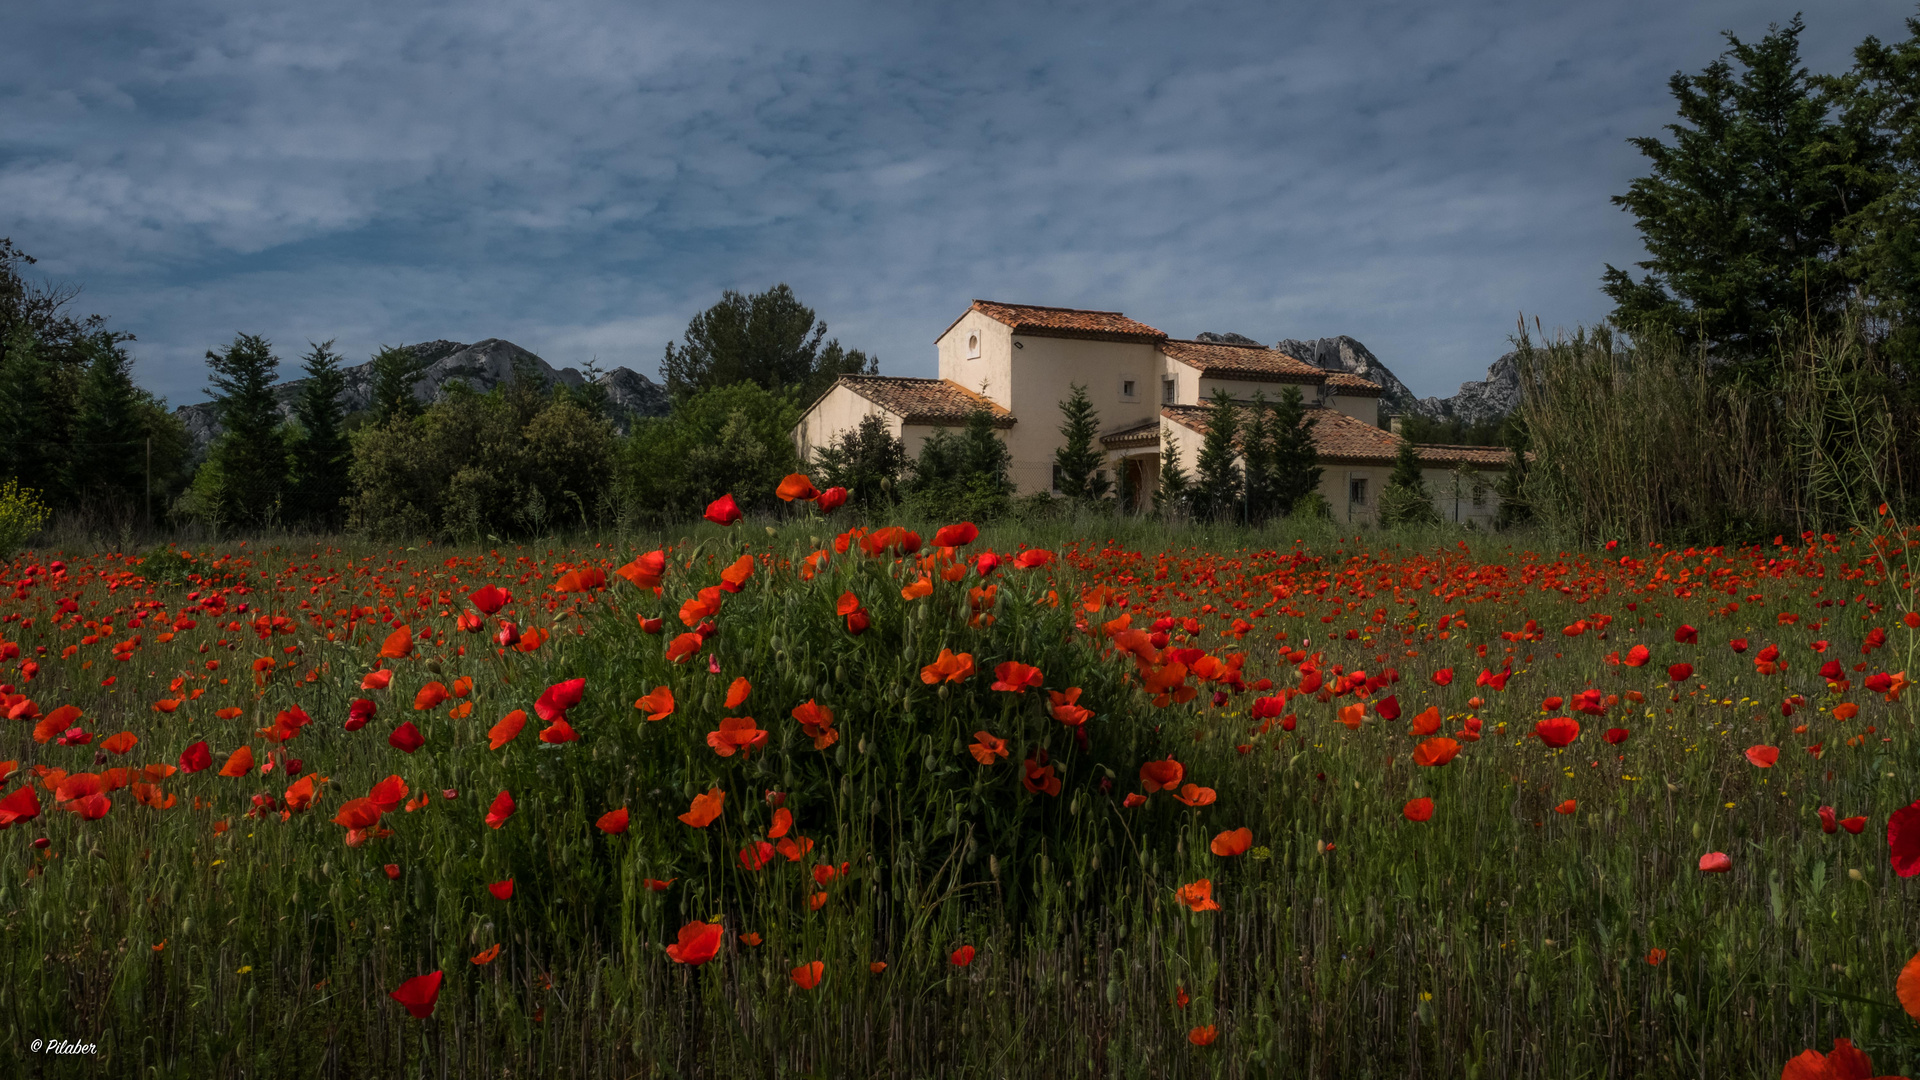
[1216, 489]
[1077, 470]
[1292, 457]
[1407, 500]
[249, 461]
[109, 428]
[26, 387]
[1256, 456]
[1171, 497]
[395, 370]
[322, 454]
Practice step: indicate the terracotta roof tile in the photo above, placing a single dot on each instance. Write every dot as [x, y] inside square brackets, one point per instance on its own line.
[1345, 382]
[1254, 363]
[925, 401]
[1067, 322]
[1341, 438]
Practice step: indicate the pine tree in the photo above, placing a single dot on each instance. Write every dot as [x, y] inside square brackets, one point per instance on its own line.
[26, 389]
[1170, 499]
[1293, 458]
[322, 453]
[867, 461]
[395, 370]
[1077, 462]
[1217, 479]
[965, 475]
[1256, 456]
[109, 429]
[1407, 500]
[248, 461]
[1515, 509]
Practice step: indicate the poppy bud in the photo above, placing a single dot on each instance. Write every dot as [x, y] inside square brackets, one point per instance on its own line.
[706, 629]
[776, 798]
[41, 843]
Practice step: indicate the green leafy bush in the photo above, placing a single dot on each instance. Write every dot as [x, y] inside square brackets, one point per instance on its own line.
[22, 514]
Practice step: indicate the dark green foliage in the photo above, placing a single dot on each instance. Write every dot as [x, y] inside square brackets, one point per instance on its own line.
[1741, 211]
[1407, 500]
[1282, 465]
[1172, 498]
[395, 370]
[321, 452]
[1426, 430]
[734, 440]
[108, 452]
[769, 339]
[963, 476]
[868, 461]
[248, 462]
[511, 462]
[1077, 464]
[1218, 482]
[1512, 488]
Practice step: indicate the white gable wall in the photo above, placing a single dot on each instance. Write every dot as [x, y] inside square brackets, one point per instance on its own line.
[839, 410]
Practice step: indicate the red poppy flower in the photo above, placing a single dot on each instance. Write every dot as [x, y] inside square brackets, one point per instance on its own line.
[1616, 736]
[1232, 842]
[1903, 840]
[646, 571]
[705, 809]
[1033, 557]
[1557, 731]
[1443, 677]
[1133, 799]
[831, 498]
[1435, 751]
[418, 994]
[1844, 1063]
[558, 732]
[1039, 778]
[195, 758]
[1680, 672]
[1637, 656]
[1197, 895]
[406, 738]
[681, 648]
[807, 976]
[121, 743]
[1829, 822]
[659, 704]
[358, 713]
[1015, 676]
[723, 511]
[956, 535]
[948, 667]
[737, 733]
[656, 885]
[502, 890]
[962, 956]
[699, 942]
[1194, 795]
[1567, 807]
[1417, 810]
[239, 763]
[430, 696]
[796, 486]
[1158, 775]
[490, 599]
[1715, 862]
[501, 810]
[1388, 708]
[1687, 635]
[757, 855]
[91, 808]
[398, 644]
[503, 732]
[1203, 1036]
[22, 804]
[613, 821]
[782, 823]
[1854, 825]
[558, 698]
[1763, 757]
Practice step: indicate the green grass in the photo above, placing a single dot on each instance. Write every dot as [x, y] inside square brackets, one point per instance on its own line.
[1499, 939]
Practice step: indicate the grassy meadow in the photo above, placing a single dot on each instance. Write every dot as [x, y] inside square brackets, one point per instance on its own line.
[874, 761]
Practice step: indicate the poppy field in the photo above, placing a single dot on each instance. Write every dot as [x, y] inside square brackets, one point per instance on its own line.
[814, 797]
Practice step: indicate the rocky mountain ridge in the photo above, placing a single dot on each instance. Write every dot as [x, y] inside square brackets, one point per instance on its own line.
[482, 365]
[1475, 402]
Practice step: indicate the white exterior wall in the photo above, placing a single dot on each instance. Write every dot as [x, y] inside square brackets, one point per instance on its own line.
[1031, 376]
[1459, 507]
[840, 410]
[1362, 407]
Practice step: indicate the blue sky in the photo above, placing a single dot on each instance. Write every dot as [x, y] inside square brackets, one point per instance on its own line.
[582, 177]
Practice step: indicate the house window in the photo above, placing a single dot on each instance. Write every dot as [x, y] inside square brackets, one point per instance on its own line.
[1357, 491]
[1167, 390]
[1056, 476]
[973, 345]
[1127, 391]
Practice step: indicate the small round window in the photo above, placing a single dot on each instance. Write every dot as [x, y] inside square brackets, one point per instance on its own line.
[973, 345]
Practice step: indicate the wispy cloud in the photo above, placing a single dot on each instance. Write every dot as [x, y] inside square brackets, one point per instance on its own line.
[582, 177]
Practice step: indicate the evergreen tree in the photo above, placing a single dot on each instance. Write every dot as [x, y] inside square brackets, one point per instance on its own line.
[1739, 216]
[770, 339]
[248, 462]
[1407, 500]
[1515, 509]
[395, 370]
[109, 428]
[1170, 498]
[26, 399]
[867, 461]
[1077, 464]
[1256, 457]
[322, 454]
[1217, 479]
[1293, 459]
[965, 475]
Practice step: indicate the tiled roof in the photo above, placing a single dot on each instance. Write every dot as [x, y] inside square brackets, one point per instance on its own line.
[1066, 322]
[1343, 382]
[925, 401]
[1253, 363]
[1342, 438]
[1146, 433]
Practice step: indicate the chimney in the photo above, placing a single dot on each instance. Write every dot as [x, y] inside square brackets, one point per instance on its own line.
[1393, 424]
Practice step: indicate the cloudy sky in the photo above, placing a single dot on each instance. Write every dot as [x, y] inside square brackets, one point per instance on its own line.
[581, 177]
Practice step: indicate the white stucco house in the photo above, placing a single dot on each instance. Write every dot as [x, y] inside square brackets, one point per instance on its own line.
[1020, 361]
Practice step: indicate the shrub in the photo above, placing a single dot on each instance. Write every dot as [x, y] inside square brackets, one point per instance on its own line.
[22, 514]
[964, 475]
[734, 439]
